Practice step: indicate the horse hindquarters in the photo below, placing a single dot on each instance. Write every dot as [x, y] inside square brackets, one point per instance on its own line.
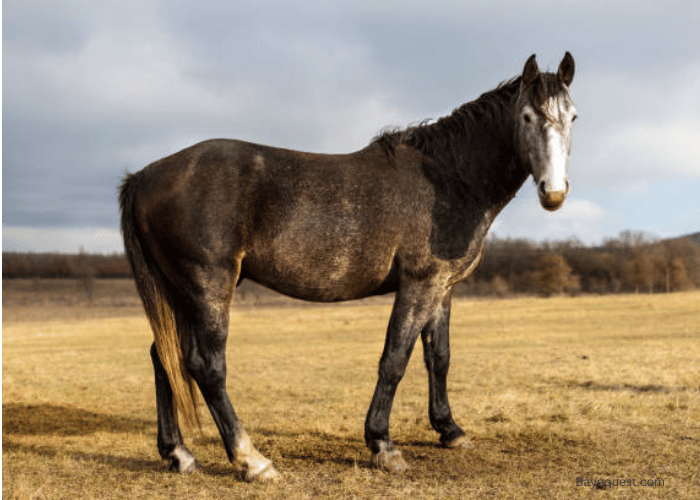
[174, 388]
[190, 325]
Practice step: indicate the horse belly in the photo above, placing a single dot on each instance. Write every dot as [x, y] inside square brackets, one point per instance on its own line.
[320, 267]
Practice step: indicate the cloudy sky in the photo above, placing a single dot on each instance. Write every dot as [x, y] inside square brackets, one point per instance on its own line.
[92, 90]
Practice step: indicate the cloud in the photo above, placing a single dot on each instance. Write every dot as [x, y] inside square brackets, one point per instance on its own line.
[658, 149]
[351, 124]
[44, 27]
[632, 129]
[91, 90]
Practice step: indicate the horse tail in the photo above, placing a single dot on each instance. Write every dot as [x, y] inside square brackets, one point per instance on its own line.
[152, 288]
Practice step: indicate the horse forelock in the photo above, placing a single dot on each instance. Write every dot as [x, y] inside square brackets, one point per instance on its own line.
[548, 90]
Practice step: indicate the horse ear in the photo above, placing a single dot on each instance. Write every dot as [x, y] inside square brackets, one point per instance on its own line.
[566, 69]
[531, 70]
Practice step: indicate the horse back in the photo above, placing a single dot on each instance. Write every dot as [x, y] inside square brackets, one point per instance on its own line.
[313, 226]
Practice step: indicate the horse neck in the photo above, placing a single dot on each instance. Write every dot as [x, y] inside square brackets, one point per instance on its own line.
[479, 156]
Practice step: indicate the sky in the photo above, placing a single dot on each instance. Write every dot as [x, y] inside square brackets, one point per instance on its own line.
[93, 90]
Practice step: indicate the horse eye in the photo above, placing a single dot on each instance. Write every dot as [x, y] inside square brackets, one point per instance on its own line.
[574, 118]
[527, 118]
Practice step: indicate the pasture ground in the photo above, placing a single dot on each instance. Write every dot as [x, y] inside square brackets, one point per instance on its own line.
[556, 394]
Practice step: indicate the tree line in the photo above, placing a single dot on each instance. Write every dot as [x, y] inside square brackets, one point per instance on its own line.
[631, 262]
[57, 265]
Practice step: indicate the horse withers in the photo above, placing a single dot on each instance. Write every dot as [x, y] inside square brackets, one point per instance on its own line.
[407, 214]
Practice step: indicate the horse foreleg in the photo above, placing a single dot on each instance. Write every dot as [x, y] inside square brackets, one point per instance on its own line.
[436, 354]
[170, 445]
[409, 315]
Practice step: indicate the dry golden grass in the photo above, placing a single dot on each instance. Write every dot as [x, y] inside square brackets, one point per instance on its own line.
[551, 390]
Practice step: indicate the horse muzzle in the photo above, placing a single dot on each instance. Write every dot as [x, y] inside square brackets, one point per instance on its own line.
[551, 200]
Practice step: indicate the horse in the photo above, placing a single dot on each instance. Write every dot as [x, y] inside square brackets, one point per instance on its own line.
[407, 214]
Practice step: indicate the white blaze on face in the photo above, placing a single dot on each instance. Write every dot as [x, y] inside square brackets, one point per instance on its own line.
[555, 177]
[546, 141]
[559, 114]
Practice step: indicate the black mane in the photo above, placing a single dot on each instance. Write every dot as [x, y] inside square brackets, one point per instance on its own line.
[435, 137]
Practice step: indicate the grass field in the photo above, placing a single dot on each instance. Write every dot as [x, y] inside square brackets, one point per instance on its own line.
[555, 393]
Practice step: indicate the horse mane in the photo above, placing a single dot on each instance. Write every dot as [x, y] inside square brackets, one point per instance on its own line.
[434, 138]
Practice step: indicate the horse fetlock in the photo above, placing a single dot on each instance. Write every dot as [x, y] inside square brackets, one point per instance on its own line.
[182, 460]
[389, 459]
[256, 466]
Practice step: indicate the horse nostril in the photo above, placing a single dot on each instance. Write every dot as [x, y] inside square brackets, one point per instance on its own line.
[541, 188]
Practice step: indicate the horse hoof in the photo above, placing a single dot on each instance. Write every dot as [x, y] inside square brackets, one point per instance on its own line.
[182, 461]
[267, 474]
[389, 461]
[460, 442]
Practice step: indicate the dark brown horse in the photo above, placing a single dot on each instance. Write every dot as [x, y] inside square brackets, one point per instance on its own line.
[407, 214]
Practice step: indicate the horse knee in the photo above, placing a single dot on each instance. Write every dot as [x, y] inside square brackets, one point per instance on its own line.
[391, 371]
[441, 363]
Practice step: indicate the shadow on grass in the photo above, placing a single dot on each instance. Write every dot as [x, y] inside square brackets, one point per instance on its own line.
[54, 420]
[65, 421]
[647, 388]
[291, 449]
[315, 447]
[523, 452]
[131, 464]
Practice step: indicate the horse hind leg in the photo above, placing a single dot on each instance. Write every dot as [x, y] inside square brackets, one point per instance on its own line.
[170, 444]
[206, 316]
[436, 354]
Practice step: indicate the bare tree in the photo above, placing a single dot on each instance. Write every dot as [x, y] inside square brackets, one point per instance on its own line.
[555, 275]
